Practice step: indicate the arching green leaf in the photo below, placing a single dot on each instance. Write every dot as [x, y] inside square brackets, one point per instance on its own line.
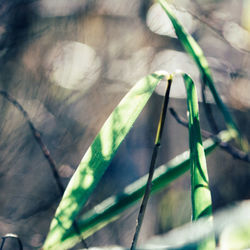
[194, 50]
[112, 208]
[200, 192]
[98, 157]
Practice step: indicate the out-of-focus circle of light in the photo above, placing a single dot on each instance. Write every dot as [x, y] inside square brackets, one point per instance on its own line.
[159, 23]
[170, 61]
[236, 35]
[52, 8]
[73, 65]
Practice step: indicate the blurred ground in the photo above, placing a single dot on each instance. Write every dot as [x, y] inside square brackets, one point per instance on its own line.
[69, 64]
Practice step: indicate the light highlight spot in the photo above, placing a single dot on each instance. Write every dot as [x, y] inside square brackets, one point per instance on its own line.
[73, 65]
[159, 23]
[88, 180]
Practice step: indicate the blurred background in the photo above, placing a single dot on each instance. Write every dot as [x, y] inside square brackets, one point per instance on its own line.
[69, 63]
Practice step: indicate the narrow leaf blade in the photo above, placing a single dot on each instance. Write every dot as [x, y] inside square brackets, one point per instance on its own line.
[200, 192]
[195, 51]
[98, 157]
[112, 208]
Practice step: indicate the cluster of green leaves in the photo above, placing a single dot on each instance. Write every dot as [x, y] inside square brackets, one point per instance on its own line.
[62, 234]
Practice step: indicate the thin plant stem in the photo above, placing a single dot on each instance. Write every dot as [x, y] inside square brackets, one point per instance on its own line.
[152, 164]
[233, 151]
[36, 134]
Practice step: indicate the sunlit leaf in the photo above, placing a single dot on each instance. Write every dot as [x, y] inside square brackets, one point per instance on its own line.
[200, 192]
[98, 157]
[194, 50]
[112, 208]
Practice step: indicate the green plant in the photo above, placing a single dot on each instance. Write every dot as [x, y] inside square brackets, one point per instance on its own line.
[99, 155]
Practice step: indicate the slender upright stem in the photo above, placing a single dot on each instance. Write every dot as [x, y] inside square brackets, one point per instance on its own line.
[152, 164]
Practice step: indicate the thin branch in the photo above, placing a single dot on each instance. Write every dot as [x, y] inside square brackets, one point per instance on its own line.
[11, 236]
[233, 151]
[36, 134]
[152, 165]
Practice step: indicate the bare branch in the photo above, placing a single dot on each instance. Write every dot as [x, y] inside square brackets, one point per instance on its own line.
[233, 151]
[36, 134]
[38, 139]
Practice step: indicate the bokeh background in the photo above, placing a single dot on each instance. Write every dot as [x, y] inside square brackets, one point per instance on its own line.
[69, 63]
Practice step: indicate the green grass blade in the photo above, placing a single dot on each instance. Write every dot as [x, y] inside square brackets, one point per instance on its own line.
[98, 157]
[201, 197]
[200, 192]
[194, 50]
[112, 208]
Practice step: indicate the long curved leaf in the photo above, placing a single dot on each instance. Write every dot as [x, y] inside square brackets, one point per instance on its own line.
[201, 197]
[194, 50]
[200, 192]
[112, 208]
[100, 216]
[98, 157]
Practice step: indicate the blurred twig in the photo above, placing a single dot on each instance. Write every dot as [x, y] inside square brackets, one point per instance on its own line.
[233, 151]
[36, 134]
[12, 236]
[38, 139]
